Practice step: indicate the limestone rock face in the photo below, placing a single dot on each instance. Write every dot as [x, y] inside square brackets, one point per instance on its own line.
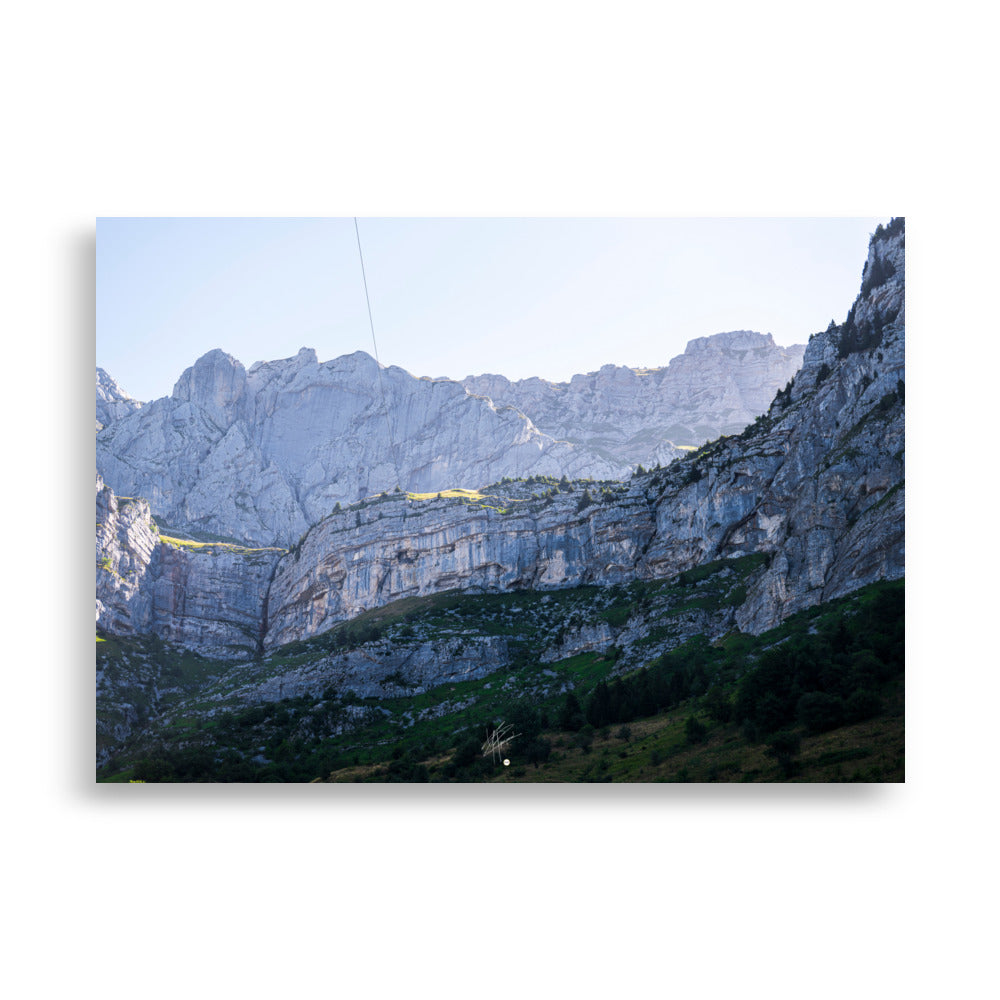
[717, 386]
[126, 541]
[819, 481]
[259, 456]
[209, 598]
[216, 383]
[112, 401]
[599, 636]
[375, 669]
[396, 548]
[816, 483]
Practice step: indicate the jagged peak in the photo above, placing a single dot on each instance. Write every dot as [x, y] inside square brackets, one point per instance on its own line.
[215, 381]
[305, 356]
[356, 359]
[211, 361]
[877, 313]
[110, 386]
[217, 356]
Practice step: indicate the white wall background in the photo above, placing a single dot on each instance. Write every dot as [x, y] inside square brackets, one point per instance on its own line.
[529, 109]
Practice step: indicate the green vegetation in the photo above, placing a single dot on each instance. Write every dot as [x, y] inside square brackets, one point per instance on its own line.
[188, 543]
[875, 276]
[449, 494]
[820, 698]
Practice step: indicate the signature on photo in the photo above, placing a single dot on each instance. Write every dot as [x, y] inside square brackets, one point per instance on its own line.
[497, 740]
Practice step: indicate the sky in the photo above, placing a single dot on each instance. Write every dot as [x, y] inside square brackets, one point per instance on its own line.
[457, 297]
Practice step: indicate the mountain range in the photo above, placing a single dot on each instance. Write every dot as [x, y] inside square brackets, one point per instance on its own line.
[799, 508]
[717, 386]
[259, 455]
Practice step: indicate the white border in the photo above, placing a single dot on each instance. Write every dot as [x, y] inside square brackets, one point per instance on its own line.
[446, 108]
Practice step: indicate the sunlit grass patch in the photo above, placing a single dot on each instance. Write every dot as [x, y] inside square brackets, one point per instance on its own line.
[448, 494]
[187, 543]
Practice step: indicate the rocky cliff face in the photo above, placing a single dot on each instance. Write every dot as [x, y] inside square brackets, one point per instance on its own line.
[819, 481]
[717, 386]
[260, 455]
[206, 597]
[397, 548]
[126, 540]
[112, 401]
[378, 669]
[816, 485]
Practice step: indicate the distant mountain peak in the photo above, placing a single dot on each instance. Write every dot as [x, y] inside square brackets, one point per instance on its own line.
[719, 385]
[113, 402]
[733, 340]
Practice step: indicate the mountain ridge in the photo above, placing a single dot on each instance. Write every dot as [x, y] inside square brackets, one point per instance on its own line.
[300, 436]
[817, 483]
[718, 385]
[420, 598]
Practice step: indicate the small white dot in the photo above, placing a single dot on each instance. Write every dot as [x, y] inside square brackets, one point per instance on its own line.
[505, 762]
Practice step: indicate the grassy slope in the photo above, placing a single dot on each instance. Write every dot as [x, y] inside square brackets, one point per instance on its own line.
[657, 750]
[417, 737]
[658, 747]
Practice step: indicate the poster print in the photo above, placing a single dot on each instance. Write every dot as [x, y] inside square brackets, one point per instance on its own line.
[535, 505]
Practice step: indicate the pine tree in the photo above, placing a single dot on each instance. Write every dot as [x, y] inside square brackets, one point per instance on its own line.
[571, 716]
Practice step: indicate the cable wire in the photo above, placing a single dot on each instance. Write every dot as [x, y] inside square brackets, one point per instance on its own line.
[378, 364]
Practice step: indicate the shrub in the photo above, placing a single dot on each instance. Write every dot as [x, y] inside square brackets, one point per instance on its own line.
[467, 751]
[155, 769]
[717, 705]
[819, 711]
[783, 746]
[537, 751]
[771, 713]
[877, 275]
[861, 705]
[694, 730]
[584, 738]
[571, 716]
[617, 615]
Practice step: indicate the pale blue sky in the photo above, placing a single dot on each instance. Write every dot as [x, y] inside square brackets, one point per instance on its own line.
[456, 297]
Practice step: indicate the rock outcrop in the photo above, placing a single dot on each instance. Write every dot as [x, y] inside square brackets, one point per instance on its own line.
[396, 548]
[719, 385]
[126, 541]
[260, 455]
[816, 484]
[819, 480]
[112, 401]
[209, 598]
[378, 669]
